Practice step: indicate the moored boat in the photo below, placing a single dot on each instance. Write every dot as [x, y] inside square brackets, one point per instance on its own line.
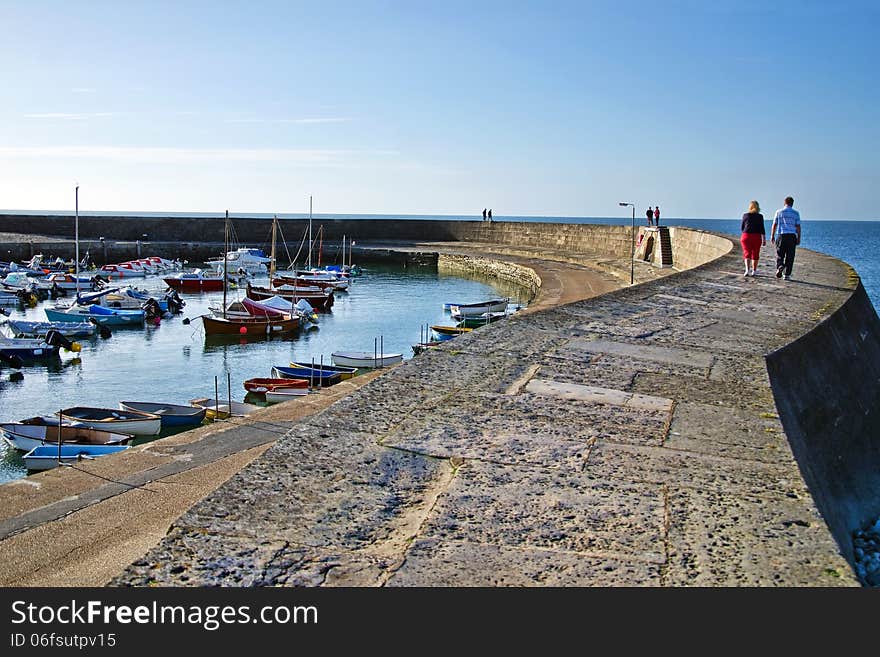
[449, 332]
[172, 415]
[111, 419]
[284, 394]
[195, 281]
[259, 384]
[478, 308]
[476, 321]
[27, 348]
[46, 457]
[251, 326]
[24, 329]
[221, 410]
[322, 300]
[25, 437]
[100, 314]
[365, 359]
[317, 375]
[344, 372]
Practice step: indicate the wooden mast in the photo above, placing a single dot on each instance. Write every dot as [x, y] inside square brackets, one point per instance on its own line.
[225, 255]
[272, 264]
[76, 239]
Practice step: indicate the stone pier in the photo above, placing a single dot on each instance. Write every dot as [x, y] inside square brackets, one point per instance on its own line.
[629, 439]
[695, 429]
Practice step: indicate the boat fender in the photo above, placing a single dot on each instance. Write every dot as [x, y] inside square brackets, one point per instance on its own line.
[12, 360]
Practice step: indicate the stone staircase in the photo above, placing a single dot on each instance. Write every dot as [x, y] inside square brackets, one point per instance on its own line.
[665, 248]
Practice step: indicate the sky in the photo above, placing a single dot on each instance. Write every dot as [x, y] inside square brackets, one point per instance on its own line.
[411, 107]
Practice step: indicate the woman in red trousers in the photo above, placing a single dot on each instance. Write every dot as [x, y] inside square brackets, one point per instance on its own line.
[753, 237]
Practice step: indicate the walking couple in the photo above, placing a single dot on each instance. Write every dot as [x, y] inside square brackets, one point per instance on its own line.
[788, 222]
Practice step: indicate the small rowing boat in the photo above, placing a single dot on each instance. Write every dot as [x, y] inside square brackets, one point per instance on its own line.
[173, 415]
[260, 385]
[365, 359]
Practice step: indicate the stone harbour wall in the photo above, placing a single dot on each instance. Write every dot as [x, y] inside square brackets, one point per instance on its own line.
[524, 277]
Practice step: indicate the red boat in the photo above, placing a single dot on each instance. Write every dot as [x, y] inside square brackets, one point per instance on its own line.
[270, 385]
[195, 281]
[253, 327]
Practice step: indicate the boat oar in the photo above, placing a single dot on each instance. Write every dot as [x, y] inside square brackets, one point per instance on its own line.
[188, 320]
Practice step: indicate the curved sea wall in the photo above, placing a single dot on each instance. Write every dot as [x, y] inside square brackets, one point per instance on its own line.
[827, 386]
[519, 275]
[183, 235]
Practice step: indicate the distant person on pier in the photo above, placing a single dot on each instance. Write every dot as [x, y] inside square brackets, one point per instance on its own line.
[490, 214]
[753, 237]
[657, 215]
[484, 214]
[649, 213]
[788, 221]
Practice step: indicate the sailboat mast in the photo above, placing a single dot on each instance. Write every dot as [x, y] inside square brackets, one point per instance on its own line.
[225, 254]
[310, 232]
[76, 238]
[272, 264]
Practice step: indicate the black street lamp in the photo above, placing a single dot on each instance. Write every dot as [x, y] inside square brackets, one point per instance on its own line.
[632, 241]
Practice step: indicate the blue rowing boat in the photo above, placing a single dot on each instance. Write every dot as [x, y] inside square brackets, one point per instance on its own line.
[100, 314]
[173, 415]
[46, 457]
[316, 374]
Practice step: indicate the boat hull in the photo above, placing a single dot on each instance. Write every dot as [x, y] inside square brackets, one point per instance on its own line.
[364, 359]
[223, 410]
[108, 419]
[469, 309]
[261, 385]
[25, 437]
[39, 329]
[172, 415]
[322, 377]
[115, 318]
[284, 394]
[317, 301]
[256, 326]
[344, 372]
[45, 457]
[194, 284]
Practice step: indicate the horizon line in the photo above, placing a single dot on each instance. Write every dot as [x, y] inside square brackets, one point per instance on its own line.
[259, 215]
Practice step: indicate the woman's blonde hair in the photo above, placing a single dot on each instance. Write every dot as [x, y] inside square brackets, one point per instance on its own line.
[754, 207]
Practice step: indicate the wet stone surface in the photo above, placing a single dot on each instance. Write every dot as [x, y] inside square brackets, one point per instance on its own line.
[627, 440]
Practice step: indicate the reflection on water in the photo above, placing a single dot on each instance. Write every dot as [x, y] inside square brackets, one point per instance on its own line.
[175, 362]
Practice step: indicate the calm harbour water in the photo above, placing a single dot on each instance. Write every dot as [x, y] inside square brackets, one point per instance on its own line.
[175, 362]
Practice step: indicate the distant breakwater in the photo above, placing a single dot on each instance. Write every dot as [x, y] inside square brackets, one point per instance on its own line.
[111, 239]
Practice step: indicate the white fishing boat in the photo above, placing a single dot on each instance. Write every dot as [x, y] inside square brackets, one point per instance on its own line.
[365, 359]
[248, 260]
[111, 419]
[285, 394]
[469, 309]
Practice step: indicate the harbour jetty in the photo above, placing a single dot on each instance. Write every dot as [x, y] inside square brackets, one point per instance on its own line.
[697, 428]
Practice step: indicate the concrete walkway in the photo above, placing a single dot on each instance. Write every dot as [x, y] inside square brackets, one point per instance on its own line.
[629, 439]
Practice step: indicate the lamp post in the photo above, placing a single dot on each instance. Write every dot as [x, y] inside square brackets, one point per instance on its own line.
[632, 242]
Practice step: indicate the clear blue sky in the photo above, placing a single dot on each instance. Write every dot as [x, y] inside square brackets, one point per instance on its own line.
[531, 108]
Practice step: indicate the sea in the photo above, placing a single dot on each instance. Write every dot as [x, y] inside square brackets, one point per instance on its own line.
[388, 308]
